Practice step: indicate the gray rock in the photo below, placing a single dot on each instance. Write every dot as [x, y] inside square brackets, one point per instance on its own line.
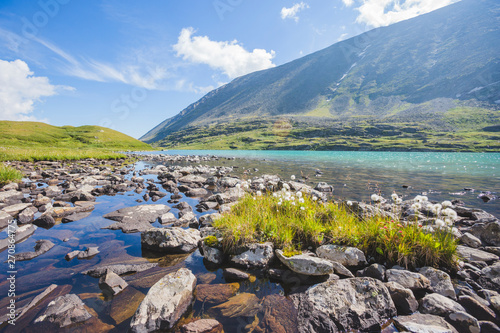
[22, 233]
[470, 240]
[197, 192]
[64, 311]
[71, 255]
[340, 269]
[111, 283]
[41, 247]
[439, 305]
[493, 273]
[11, 195]
[492, 297]
[375, 271]
[423, 323]
[75, 217]
[165, 302]
[324, 187]
[233, 274]
[306, 264]
[168, 218]
[489, 233]
[440, 281]
[5, 219]
[170, 240]
[341, 305]
[229, 182]
[14, 210]
[212, 254]
[470, 254]
[137, 218]
[89, 252]
[232, 195]
[411, 280]
[193, 179]
[347, 256]
[403, 298]
[119, 269]
[45, 221]
[26, 216]
[254, 255]
[464, 322]
[489, 327]
[477, 309]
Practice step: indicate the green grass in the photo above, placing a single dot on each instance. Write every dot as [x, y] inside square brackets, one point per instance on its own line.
[33, 141]
[295, 227]
[9, 174]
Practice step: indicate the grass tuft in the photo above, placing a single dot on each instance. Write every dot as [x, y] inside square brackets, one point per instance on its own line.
[9, 174]
[294, 222]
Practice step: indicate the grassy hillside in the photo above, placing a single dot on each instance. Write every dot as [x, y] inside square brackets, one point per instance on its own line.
[24, 140]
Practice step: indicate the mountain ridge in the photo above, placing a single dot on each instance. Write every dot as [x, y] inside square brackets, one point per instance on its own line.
[412, 70]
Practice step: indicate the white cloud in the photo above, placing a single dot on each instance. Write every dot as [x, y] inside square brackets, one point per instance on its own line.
[294, 10]
[377, 13]
[348, 3]
[19, 90]
[230, 57]
[342, 37]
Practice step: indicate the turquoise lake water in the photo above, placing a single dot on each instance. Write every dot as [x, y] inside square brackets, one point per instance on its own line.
[356, 175]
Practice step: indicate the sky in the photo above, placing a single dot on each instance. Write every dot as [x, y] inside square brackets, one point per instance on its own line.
[129, 65]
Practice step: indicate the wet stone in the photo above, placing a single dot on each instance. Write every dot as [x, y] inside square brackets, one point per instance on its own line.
[214, 294]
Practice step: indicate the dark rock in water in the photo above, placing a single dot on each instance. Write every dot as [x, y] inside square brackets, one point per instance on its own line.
[183, 206]
[486, 196]
[280, 315]
[170, 240]
[64, 311]
[202, 326]
[349, 304]
[214, 294]
[88, 253]
[324, 187]
[119, 269]
[477, 309]
[463, 322]
[75, 217]
[233, 274]
[22, 233]
[376, 271]
[112, 284]
[41, 247]
[73, 254]
[242, 305]
[423, 323]
[403, 298]
[165, 302]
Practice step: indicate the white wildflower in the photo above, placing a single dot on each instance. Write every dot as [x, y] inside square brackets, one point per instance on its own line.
[416, 206]
[259, 193]
[446, 204]
[399, 201]
[315, 198]
[439, 223]
[246, 187]
[238, 186]
[275, 195]
[428, 228]
[302, 208]
[349, 203]
[394, 197]
[301, 200]
[292, 177]
[286, 187]
[293, 203]
[375, 198]
[450, 213]
[299, 194]
[261, 187]
[448, 221]
[436, 209]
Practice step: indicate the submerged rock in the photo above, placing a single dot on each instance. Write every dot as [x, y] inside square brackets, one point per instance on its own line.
[41, 247]
[202, 326]
[112, 284]
[342, 305]
[119, 269]
[214, 294]
[165, 302]
[64, 311]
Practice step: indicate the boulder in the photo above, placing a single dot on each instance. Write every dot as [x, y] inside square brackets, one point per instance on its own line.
[347, 256]
[411, 280]
[170, 240]
[492, 273]
[232, 195]
[212, 254]
[64, 311]
[255, 255]
[229, 182]
[323, 187]
[165, 302]
[137, 218]
[423, 323]
[306, 264]
[403, 298]
[376, 271]
[112, 284]
[439, 305]
[464, 322]
[14, 210]
[341, 305]
[470, 254]
[476, 309]
[26, 216]
[168, 218]
[11, 195]
[440, 281]
[5, 219]
[470, 240]
[489, 233]
[202, 326]
[45, 221]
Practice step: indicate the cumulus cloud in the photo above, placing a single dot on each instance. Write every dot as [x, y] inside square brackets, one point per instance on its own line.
[348, 3]
[377, 13]
[292, 12]
[230, 57]
[20, 89]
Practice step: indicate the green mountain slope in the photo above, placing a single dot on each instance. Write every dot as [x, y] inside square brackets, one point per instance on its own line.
[26, 134]
[434, 80]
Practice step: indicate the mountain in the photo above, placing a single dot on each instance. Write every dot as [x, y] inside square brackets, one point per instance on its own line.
[429, 82]
[29, 134]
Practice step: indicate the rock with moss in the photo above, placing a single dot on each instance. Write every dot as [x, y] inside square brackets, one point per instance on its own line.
[306, 264]
[211, 251]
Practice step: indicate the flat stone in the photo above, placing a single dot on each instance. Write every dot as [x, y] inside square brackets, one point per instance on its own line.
[41, 247]
[233, 274]
[306, 264]
[214, 294]
[119, 269]
[64, 311]
[10, 196]
[476, 309]
[5, 219]
[165, 302]
[111, 283]
[22, 233]
[26, 216]
[167, 218]
[255, 255]
[124, 305]
[75, 217]
[14, 210]
[470, 254]
[202, 326]
[423, 323]
[89, 252]
[411, 280]
[241, 305]
[137, 218]
[470, 240]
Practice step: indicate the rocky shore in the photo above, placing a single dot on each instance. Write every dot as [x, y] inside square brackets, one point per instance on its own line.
[327, 289]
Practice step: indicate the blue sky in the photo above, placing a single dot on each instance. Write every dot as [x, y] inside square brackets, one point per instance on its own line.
[129, 65]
